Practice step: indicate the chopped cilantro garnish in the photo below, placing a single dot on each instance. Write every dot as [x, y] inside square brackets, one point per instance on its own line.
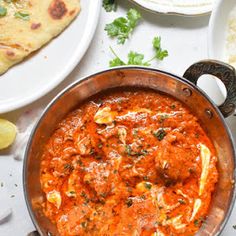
[22, 16]
[129, 202]
[145, 178]
[128, 149]
[160, 134]
[148, 185]
[181, 201]
[68, 166]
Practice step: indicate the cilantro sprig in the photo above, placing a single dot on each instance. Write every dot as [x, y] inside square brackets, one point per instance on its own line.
[109, 5]
[121, 28]
[160, 54]
[135, 58]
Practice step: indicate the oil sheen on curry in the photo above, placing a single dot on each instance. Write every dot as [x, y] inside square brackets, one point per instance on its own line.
[132, 162]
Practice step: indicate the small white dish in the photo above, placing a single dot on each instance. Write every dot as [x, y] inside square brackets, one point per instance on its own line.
[217, 33]
[43, 71]
[177, 7]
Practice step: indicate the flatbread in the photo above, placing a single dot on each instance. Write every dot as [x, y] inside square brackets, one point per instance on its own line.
[29, 24]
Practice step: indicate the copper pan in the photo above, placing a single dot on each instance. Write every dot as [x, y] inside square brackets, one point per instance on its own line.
[184, 89]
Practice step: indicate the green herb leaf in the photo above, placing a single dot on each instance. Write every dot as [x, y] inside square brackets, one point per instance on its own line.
[22, 16]
[128, 149]
[160, 134]
[83, 194]
[157, 43]
[145, 178]
[160, 54]
[117, 27]
[116, 62]
[196, 222]
[3, 11]
[129, 202]
[135, 58]
[133, 16]
[109, 5]
[122, 27]
[144, 152]
[148, 185]
[143, 197]
[162, 118]
[234, 226]
[181, 201]
[68, 167]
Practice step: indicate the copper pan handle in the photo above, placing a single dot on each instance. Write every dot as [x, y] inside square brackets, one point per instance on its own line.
[34, 233]
[224, 72]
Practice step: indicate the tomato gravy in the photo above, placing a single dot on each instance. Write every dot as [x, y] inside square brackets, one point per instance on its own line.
[133, 162]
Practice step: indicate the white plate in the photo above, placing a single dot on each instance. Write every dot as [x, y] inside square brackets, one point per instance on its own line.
[33, 78]
[218, 31]
[178, 7]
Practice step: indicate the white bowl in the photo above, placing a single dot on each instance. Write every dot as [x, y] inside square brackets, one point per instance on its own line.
[218, 31]
[177, 7]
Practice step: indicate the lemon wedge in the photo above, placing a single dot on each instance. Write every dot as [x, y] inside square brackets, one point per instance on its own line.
[7, 133]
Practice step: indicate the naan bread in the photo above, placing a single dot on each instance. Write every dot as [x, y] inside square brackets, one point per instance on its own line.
[29, 24]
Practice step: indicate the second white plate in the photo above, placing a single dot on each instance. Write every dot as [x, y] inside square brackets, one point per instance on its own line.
[33, 78]
[217, 33]
[178, 7]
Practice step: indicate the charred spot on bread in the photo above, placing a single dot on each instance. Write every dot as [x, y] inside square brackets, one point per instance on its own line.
[57, 9]
[35, 26]
[72, 12]
[10, 53]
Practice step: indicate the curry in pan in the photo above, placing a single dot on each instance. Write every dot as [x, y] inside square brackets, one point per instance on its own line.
[132, 162]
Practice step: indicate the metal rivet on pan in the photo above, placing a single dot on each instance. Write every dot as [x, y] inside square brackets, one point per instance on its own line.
[187, 92]
[209, 113]
[231, 106]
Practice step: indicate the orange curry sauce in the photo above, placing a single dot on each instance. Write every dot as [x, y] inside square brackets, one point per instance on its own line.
[129, 163]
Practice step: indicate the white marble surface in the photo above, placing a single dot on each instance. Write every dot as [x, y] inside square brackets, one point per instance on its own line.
[186, 41]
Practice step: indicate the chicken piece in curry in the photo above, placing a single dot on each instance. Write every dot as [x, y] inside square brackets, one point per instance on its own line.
[133, 162]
